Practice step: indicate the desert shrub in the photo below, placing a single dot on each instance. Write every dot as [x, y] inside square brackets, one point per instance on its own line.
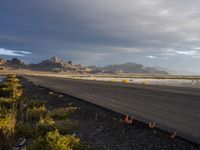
[6, 102]
[7, 124]
[7, 130]
[45, 125]
[62, 113]
[55, 141]
[35, 113]
[46, 121]
[36, 103]
[24, 148]
[24, 130]
[12, 80]
[39, 144]
[66, 125]
[6, 89]
[62, 142]
[6, 106]
[11, 88]
[12, 76]
[35, 97]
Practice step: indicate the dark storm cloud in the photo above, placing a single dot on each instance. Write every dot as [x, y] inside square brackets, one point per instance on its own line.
[90, 31]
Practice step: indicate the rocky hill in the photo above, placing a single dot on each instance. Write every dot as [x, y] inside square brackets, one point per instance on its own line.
[12, 64]
[53, 64]
[58, 65]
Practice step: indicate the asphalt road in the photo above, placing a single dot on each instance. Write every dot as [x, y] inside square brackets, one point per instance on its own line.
[171, 108]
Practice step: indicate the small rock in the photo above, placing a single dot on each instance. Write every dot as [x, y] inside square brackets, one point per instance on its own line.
[96, 117]
[60, 96]
[22, 143]
[121, 121]
[70, 104]
[51, 93]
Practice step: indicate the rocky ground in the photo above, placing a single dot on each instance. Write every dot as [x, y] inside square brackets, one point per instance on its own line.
[106, 130]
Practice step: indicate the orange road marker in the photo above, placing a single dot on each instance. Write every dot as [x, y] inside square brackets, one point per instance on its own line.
[173, 135]
[128, 120]
[152, 125]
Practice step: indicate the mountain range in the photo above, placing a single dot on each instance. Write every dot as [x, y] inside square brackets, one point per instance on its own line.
[127, 68]
[56, 64]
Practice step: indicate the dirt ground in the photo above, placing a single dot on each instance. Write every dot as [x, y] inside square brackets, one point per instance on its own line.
[104, 129]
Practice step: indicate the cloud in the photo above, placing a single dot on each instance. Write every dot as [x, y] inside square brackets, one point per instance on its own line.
[189, 53]
[12, 52]
[172, 52]
[144, 24]
[124, 30]
[151, 57]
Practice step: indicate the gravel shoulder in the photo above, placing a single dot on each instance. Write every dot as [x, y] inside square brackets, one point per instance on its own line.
[104, 129]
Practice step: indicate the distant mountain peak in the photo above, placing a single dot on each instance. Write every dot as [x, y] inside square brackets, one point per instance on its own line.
[15, 61]
[55, 59]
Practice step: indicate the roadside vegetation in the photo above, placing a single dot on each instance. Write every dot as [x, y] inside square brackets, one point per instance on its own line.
[28, 124]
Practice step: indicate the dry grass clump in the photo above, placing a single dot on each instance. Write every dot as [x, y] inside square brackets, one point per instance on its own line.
[25, 130]
[62, 112]
[66, 125]
[45, 125]
[36, 103]
[35, 113]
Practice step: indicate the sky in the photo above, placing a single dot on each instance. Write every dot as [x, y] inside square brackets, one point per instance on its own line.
[101, 32]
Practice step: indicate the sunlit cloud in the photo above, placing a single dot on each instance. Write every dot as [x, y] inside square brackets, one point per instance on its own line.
[190, 53]
[8, 52]
[151, 57]
[172, 52]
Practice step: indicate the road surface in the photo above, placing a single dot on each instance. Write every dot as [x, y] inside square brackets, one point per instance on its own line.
[171, 108]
